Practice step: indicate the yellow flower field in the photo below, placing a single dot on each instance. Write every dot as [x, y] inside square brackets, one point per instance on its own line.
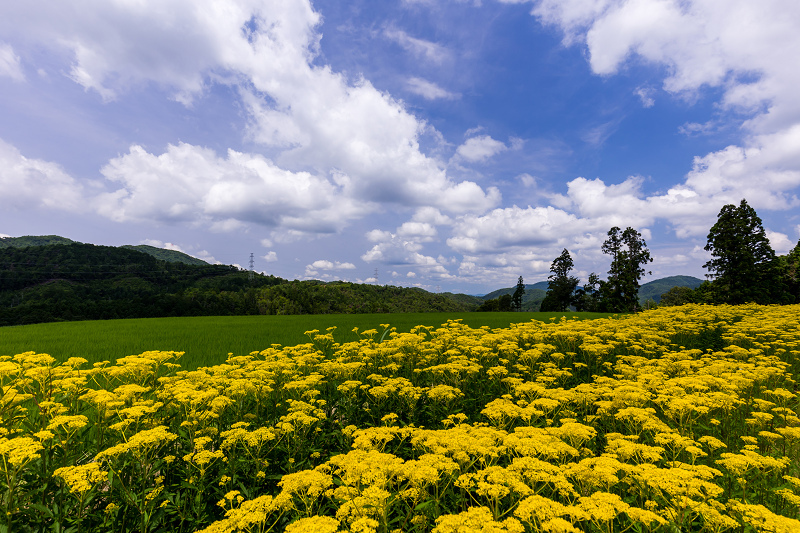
[676, 419]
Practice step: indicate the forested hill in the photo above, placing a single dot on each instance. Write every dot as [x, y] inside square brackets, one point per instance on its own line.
[654, 289]
[531, 300]
[33, 240]
[83, 281]
[74, 281]
[316, 297]
[172, 256]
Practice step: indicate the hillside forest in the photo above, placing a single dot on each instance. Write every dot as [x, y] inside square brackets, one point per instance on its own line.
[51, 279]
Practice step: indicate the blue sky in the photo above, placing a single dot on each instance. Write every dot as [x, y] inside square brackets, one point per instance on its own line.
[451, 145]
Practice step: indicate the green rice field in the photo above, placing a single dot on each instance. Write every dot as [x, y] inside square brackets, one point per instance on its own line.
[208, 340]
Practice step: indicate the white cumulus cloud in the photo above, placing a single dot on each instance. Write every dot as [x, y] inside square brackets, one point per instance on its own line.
[31, 183]
[513, 227]
[324, 264]
[780, 242]
[323, 267]
[421, 231]
[394, 249]
[192, 184]
[480, 148]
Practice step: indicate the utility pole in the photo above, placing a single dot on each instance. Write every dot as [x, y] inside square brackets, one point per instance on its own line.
[252, 263]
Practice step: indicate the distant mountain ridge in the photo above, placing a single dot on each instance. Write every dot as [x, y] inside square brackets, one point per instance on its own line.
[171, 256]
[539, 286]
[654, 289]
[33, 240]
[531, 300]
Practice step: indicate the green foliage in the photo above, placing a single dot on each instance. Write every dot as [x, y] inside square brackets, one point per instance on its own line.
[649, 304]
[468, 300]
[516, 298]
[75, 281]
[789, 268]
[171, 256]
[531, 299]
[654, 289]
[489, 306]
[629, 254]
[313, 297]
[561, 286]
[82, 282]
[33, 240]
[502, 303]
[676, 296]
[743, 264]
[589, 297]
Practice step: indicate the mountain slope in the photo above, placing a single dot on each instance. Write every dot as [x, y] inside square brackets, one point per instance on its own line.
[76, 281]
[163, 254]
[81, 281]
[33, 240]
[172, 256]
[654, 289]
[466, 300]
[534, 294]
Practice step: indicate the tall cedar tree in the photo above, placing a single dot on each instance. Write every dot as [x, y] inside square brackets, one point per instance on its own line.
[560, 285]
[629, 253]
[519, 292]
[743, 263]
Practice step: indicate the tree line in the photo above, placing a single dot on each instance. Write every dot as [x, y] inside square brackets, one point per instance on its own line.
[743, 268]
[506, 302]
[618, 293]
[75, 281]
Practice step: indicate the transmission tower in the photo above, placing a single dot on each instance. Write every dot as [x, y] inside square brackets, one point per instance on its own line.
[252, 264]
[376, 276]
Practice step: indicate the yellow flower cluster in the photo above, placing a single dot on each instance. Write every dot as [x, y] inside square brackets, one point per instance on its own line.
[141, 443]
[674, 419]
[19, 451]
[81, 478]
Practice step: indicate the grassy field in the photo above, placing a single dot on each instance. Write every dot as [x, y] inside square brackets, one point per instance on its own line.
[208, 340]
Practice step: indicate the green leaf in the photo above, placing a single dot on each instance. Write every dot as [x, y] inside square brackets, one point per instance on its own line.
[424, 506]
